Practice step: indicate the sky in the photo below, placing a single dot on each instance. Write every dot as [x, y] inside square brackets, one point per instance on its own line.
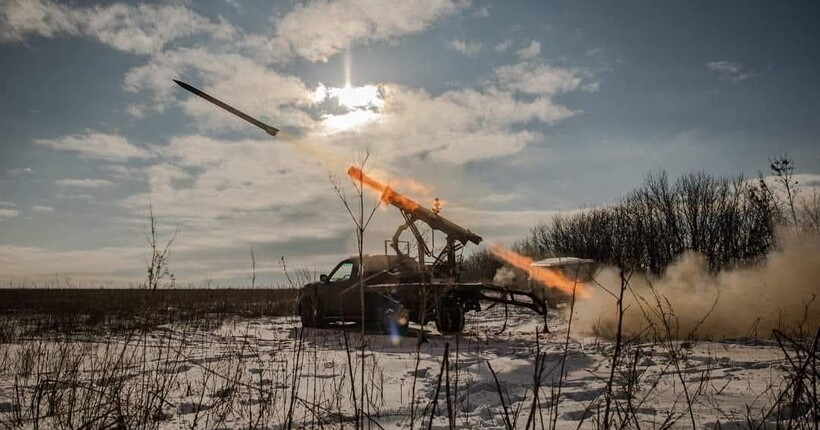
[510, 112]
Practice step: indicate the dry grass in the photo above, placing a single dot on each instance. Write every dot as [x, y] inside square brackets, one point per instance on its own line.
[230, 374]
[33, 311]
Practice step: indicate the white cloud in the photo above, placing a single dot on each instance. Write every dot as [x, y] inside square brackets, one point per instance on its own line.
[137, 111]
[8, 213]
[141, 29]
[124, 172]
[503, 46]
[17, 171]
[470, 47]
[22, 18]
[457, 126]
[482, 12]
[498, 199]
[541, 79]
[7, 204]
[75, 196]
[533, 50]
[230, 193]
[100, 146]
[729, 71]
[42, 208]
[239, 81]
[313, 31]
[83, 183]
[805, 182]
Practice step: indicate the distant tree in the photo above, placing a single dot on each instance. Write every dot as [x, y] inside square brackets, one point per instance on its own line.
[160, 255]
[728, 220]
[782, 167]
[480, 267]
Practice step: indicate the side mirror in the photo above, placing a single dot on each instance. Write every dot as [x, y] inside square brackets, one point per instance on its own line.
[324, 278]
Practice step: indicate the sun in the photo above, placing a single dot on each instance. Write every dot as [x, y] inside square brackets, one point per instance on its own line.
[359, 105]
[359, 97]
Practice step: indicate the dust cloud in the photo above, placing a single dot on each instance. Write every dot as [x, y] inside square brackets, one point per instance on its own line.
[782, 292]
[504, 277]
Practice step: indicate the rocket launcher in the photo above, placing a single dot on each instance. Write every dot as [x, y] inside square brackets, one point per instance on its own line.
[413, 211]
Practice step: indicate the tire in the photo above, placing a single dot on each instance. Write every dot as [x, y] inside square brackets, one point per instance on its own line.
[450, 318]
[310, 314]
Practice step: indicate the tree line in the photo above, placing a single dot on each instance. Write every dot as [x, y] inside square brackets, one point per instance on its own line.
[731, 221]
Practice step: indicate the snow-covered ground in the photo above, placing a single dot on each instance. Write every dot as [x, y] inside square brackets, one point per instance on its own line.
[264, 373]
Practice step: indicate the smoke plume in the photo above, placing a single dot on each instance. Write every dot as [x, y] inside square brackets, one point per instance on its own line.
[504, 277]
[782, 292]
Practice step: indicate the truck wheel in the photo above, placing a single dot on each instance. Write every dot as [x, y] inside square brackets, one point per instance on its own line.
[310, 314]
[450, 318]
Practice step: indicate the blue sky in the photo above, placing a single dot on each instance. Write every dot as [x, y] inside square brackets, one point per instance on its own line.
[509, 111]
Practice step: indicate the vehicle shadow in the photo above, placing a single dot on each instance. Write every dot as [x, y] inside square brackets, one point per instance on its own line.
[426, 340]
[512, 355]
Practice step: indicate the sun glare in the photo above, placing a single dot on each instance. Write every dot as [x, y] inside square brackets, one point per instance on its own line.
[360, 105]
[350, 120]
[358, 97]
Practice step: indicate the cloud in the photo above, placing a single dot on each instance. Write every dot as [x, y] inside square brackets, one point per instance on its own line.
[457, 126]
[533, 50]
[140, 29]
[539, 79]
[231, 193]
[8, 213]
[18, 171]
[469, 48]
[137, 111]
[482, 12]
[98, 146]
[42, 208]
[7, 204]
[503, 46]
[729, 71]
[240, 81]
[83, 183]
[313, 31]
[33, 262]
[468, 124]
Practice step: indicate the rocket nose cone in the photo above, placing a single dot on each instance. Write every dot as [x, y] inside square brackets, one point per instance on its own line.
[182, 84]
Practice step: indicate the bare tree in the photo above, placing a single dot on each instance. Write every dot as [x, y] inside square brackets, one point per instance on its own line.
[728, 220]
[253, 268]
[160, 255]
[355, 207]
[783, 169]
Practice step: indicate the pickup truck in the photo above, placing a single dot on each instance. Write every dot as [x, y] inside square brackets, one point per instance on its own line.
[397, 291]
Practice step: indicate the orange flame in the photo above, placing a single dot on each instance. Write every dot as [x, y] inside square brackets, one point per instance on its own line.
[544, 276]
[386, 194]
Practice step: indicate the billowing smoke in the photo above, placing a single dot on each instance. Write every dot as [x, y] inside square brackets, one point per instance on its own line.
[504, 277]
[782, 292]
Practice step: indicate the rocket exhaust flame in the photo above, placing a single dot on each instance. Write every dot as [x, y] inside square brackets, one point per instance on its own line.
[543, 275]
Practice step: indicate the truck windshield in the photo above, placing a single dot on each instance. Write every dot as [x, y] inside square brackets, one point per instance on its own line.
[343, 272]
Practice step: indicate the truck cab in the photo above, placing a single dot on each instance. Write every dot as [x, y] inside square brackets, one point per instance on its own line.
[336, 297]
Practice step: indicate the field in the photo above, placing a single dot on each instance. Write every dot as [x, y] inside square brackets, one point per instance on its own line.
[240, 366]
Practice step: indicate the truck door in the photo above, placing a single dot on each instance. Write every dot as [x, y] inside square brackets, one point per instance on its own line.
[340, 296]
